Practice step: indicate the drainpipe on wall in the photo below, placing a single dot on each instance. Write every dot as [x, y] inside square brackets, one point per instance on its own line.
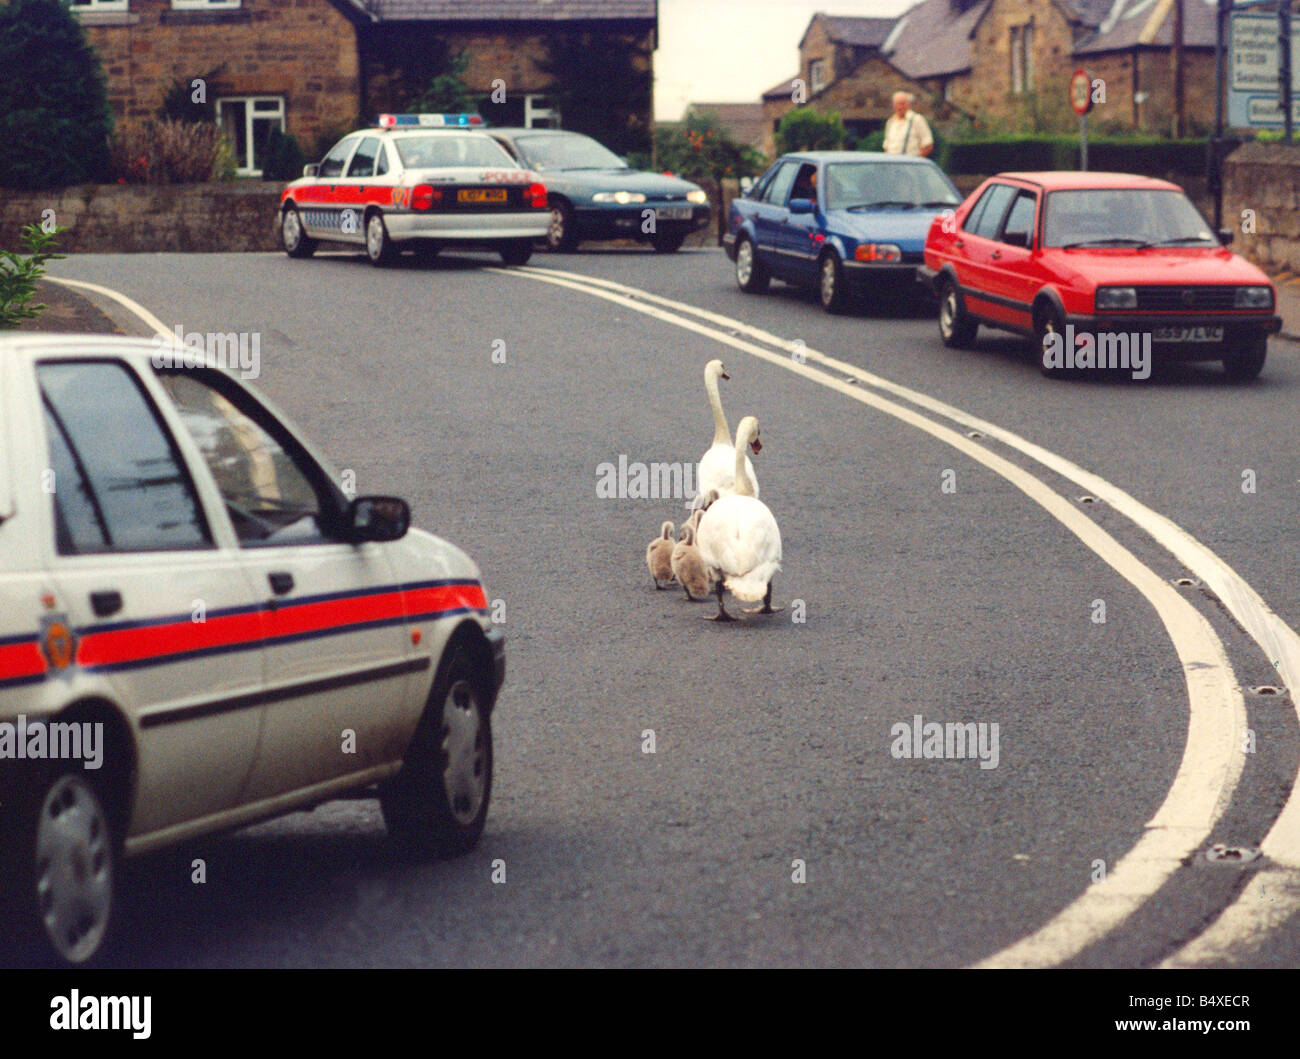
[1178, 68]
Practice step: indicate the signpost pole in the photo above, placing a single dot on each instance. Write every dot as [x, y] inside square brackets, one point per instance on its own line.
[1081, 101]
[1284, 63]
[1083, 142]
[1213, 177]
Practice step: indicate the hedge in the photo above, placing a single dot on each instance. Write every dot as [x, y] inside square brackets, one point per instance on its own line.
[1157, 158]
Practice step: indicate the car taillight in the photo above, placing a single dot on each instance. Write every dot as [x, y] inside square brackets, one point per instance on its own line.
[425, 196]
[536, 196]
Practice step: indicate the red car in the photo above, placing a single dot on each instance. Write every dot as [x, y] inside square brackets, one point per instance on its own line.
[1098, 265]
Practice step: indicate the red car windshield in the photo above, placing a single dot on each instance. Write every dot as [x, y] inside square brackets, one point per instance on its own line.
[1123, 217]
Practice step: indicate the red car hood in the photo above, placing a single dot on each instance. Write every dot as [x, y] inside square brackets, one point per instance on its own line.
[1124, 267]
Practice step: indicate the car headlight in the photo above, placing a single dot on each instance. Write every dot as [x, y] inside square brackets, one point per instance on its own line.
[698, 197]
[1117, 298]
[1253, 298]
[878, 252]
[621, 197]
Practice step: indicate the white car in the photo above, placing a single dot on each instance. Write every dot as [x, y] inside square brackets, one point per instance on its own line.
[416, 182]
[199, 629]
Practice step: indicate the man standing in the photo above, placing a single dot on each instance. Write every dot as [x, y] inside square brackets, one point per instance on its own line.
[906, 132]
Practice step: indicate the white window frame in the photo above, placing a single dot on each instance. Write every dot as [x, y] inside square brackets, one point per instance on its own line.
[205, 5]
[535, 113]
[100, 5]
[249, 114]
[817, 74]
[1022, 58]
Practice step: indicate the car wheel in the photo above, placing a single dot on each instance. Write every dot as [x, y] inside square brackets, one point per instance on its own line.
[668, 242]
[1048, 322]
[379, 247]
[562, 234]
[751, 275]
[438, 803]
[293, 236]
[830, 286]
[1246, 363]
[516, 253]
[956, 328]
[59, 867]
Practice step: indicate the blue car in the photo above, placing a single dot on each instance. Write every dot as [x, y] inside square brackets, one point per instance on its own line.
[837, 221]
[594, 194]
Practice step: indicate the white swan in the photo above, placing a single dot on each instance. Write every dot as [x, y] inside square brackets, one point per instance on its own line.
[717, 467]
[739, 539]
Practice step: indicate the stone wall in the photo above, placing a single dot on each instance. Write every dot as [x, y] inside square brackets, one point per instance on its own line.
[305, 52]
[1261, 191]
[174, 218]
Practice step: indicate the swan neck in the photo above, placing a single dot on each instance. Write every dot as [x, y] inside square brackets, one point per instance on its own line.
[721, 434]
[744, 484]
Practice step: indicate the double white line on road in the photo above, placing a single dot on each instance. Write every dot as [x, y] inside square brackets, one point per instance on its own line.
[1213, 756]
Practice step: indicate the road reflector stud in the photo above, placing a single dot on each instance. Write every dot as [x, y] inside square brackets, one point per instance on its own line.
[1222, 854]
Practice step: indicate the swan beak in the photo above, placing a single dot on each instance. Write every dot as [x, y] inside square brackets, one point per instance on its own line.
[756, 446]
[725, 375]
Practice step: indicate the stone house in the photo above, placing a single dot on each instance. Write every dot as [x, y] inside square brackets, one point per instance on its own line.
[1007, 63]
[315, 68]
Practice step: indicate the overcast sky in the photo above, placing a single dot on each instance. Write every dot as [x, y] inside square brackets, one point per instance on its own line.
[731, 51]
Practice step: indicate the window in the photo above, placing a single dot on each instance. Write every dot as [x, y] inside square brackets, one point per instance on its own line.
[434, 149]
[247, 122]
[204, 5]
[1022, 58]
[1117, 216]
[332, 166]
[98, 5]
[540, 113]
[817, 74]
[119, 484]
[269, 497]
[381, 163]
[987, 215]
[868, 184]
[778, 188]
[363, 162]
[1020, 221]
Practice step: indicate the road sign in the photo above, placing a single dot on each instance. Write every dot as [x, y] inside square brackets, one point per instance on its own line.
[1081, 92]
[1252, 88]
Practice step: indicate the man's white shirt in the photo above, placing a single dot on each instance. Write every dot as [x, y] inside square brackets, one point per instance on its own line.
[899, 139]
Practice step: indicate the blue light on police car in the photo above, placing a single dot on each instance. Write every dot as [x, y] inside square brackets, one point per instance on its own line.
[390, 121]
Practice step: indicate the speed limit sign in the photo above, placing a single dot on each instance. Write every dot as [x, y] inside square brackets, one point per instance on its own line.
[1081, 92]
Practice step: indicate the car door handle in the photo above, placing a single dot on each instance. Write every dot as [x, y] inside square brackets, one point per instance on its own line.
[105, 603]
[960, 244]
[280, 583]
[996, 255]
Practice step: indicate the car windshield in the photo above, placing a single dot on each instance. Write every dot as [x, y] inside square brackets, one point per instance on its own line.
[881, 185]
[438, 149]
[567, 152]
[1129, 217]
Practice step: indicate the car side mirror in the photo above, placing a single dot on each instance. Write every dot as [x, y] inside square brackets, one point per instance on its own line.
[311, 170]
[377, 518]
[801, 205]
[1225, 236]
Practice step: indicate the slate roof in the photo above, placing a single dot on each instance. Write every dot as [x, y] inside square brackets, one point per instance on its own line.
[932, 39]
[785, 88]
[858, 32]
[510, 10]
[1123, 30]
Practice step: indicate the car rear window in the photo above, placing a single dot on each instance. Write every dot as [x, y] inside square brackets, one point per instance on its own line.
[435, 150]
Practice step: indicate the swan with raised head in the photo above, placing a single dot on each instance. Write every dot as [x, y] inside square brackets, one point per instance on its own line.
[738, 538]
[717, 468]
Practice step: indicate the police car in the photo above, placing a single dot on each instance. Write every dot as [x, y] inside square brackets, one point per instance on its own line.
[200, 629]
[416, 182]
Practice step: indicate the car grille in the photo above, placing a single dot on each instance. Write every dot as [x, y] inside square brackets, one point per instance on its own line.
[1185, 299]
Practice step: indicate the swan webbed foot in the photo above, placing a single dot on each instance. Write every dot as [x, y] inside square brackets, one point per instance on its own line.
[767, 607]
[722, 614]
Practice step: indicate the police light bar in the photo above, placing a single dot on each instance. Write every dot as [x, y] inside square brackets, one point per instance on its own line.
[390, 121]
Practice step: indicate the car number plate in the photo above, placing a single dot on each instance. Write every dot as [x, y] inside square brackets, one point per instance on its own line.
[674, 213]
[481, 195]
[1187, 334]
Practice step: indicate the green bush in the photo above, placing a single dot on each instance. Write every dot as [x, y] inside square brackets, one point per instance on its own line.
[167, 151]
[1145, 157]
[700, 147]
[19, 273]
[54, 116]
[284, 158]
[805, 129]
[872, 141]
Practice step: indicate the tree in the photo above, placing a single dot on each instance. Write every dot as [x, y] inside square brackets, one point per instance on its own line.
[805, 129]
[701, 147]
[446, 92]
[601, 88]
[54, 116]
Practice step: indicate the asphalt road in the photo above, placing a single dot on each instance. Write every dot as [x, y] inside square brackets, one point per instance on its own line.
[772, 737]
